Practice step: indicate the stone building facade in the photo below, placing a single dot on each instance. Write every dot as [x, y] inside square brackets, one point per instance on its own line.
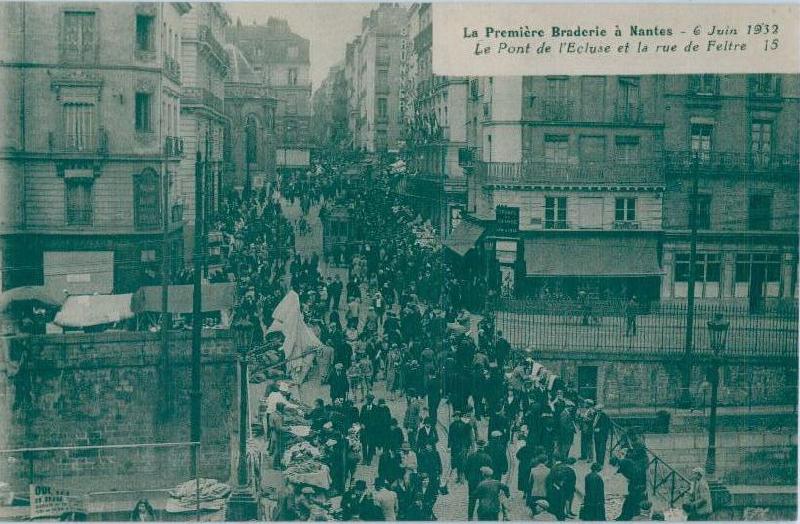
[205, 64]
[249, 148]
[736, 136]
[89, 151]
[281, 58]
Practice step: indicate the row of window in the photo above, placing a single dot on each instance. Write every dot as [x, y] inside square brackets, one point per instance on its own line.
[79, 37]
[759, 212]
[754, 273]
[555, 212]
[146, 200]
[592, 149]
[761, 146]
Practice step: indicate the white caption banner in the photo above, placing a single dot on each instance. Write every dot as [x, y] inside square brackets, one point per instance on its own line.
[547, 39]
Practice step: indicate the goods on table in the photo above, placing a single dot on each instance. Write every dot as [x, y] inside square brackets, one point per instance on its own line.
[303, 466]
[212, 496]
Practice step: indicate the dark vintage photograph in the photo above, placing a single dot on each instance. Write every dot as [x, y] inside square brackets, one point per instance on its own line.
[259, 262]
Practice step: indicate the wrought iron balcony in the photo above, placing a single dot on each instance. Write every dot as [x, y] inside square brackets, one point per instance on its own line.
[626, 224]
[629, 113]
[764, 86]
[173, 146]
[172, 69]
[212, 46]
[555, 109]
[198, 96]
[606, 173]
[711, 162]
[704, 85]
[90, 143]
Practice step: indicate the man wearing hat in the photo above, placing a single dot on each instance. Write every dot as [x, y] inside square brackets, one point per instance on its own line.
[541, 512]
[585, 419]
[339, 385]
[601, 427]
[488, 494]
[499, 454]
[426, 434]
[594, 498]
[369, 430]
[475, 461]
[459, 441]
[353, 499]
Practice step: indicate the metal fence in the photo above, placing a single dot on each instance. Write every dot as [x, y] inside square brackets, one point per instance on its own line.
[656, 328]
[104, 482]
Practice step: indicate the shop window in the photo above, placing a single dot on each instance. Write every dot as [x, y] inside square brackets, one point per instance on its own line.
[757, 275]
[707, 275]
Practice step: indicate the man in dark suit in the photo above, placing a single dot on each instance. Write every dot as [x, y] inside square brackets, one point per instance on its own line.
[476, 460]
[459, 441]
[427, 434]
[338, 383]
[368, 419]
[594, 498]
[601, 427]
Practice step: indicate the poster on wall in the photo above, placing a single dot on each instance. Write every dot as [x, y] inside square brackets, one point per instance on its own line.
[47, 501]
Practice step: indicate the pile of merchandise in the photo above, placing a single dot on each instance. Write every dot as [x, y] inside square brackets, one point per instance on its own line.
[212, 494]
[303, 463]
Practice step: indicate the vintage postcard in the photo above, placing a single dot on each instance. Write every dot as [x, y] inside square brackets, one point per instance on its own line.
[398, 261]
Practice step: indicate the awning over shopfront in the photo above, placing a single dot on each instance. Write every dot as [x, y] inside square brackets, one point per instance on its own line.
[216, 297]
[595, 256]
[463, 238]
[81, 311]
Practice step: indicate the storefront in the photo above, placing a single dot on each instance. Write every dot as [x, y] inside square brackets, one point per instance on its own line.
[606, 266]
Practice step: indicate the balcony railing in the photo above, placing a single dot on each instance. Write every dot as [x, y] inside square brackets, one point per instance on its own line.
[95, 143]
[710, 162]
[626, 224]
[704, 85]
[173, 146]
[555, 109]
[607, 173]
[206, 36]
[172, 69]
[764, 86]
[198, 96]
[629, 113]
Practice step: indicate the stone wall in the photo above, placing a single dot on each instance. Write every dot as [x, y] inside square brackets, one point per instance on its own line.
[628, 381]
[104, 389]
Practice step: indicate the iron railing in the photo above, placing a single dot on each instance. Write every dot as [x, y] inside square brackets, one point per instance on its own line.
[173, 146]
[206, 36]
[89, 142]
[609, 172]
[195, 96]
[662, 479]
[172, 69]
[599, 326]
[729, 163]
[556, 109]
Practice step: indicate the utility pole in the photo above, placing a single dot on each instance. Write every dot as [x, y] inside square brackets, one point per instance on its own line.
[686, 397]
[166, 319]
[197, 302]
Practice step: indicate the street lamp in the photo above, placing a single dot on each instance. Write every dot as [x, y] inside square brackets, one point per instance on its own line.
[242, 504]
[718, 330]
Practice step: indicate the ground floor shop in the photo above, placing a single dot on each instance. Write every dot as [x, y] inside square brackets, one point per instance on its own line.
[89, 264]
[749, 271]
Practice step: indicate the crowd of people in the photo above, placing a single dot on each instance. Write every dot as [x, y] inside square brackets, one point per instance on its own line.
[399, 320]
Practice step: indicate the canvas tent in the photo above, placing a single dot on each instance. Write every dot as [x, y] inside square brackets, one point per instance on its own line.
[82, 311]
[288, 319]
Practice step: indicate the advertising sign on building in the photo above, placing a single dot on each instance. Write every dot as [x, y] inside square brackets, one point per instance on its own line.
[507, 220]
[47, 501]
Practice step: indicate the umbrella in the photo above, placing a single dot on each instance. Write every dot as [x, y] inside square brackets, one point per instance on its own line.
[41, 294]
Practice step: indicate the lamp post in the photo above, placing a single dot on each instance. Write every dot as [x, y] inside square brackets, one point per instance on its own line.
[242, 504]
[718, 330]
